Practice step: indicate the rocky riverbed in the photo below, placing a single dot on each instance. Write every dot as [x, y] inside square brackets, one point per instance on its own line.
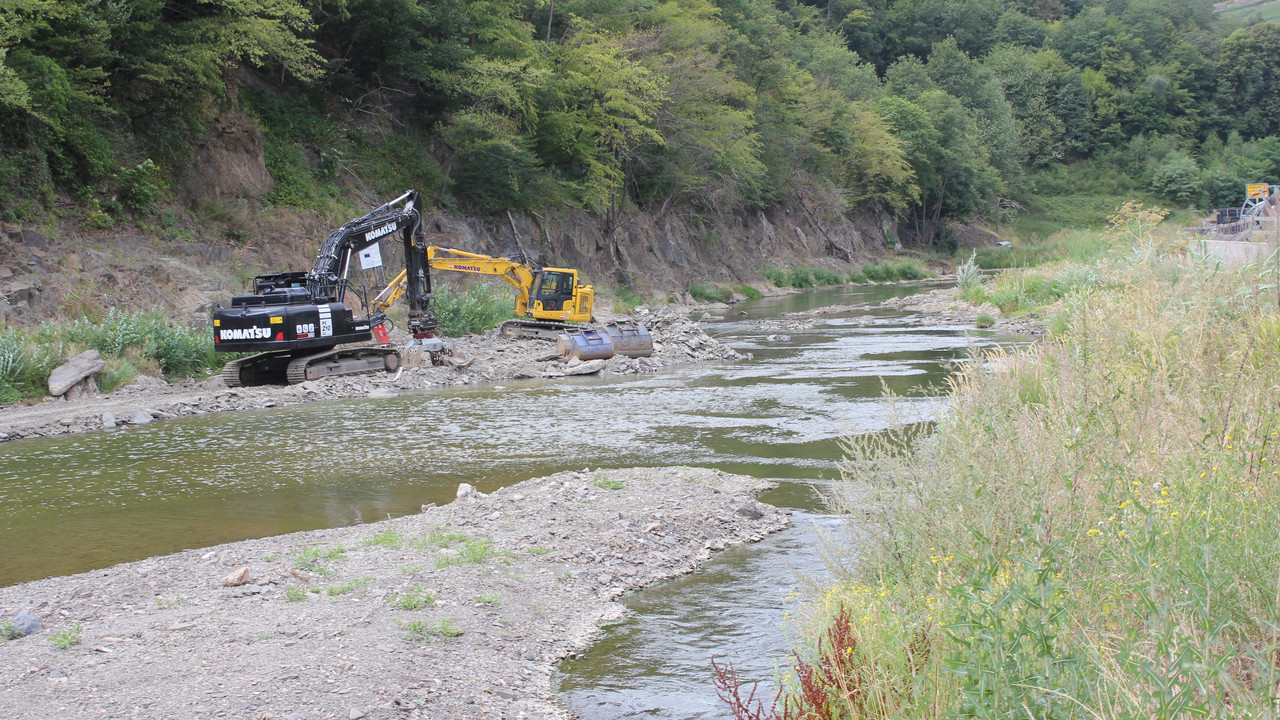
[475, 359]
[458, 612]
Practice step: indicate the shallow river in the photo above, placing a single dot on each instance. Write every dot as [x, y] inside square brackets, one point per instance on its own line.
[76, 503]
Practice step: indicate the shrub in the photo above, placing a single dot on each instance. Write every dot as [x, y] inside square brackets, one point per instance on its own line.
[777, 276]
[823, 276]
[140, 187]
[877, 273]
[627, 300]
[909, 269]
[858, 277]
[748, 292]
[984, 320]
[415, 598]
[800, 277]
[969, 281]
[706, 292]
[476, 310]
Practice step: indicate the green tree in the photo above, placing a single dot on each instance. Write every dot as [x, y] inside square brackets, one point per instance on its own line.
[1249, 80]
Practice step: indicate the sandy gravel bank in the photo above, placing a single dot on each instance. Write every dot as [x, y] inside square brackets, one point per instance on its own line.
[476, 359]
[458, 612]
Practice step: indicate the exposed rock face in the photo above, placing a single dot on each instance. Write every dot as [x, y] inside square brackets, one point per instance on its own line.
[229, 161]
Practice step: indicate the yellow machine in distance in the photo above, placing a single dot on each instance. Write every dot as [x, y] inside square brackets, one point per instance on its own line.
[547, 299]
[543, 293]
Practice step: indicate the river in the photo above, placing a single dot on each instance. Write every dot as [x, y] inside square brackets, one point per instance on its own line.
[75, 503]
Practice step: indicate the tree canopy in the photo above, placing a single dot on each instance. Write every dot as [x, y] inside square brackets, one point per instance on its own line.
[925, 108]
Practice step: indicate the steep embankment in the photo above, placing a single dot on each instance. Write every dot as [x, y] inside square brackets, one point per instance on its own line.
[188, 263]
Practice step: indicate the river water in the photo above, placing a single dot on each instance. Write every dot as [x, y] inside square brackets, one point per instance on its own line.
[81, 502]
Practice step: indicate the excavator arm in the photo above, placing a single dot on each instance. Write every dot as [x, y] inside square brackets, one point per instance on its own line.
[515, 274]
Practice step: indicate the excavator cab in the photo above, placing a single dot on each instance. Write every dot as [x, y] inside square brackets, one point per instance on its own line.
[552, 289]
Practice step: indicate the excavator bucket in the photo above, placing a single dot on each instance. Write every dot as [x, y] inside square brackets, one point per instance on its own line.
[584, 344]
[630, 339]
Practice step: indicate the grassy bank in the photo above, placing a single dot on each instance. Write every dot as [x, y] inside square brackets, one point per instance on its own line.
[130, 342]
[1089, 532]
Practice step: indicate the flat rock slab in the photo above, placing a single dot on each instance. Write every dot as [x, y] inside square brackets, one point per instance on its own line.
[459, 612]
[70, 373]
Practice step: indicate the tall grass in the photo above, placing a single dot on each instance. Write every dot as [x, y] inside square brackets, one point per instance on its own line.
[1090, 529]
[710, 292]
[128, 340]
[475, 310]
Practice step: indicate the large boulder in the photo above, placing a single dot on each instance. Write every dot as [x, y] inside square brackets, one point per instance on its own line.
[75, 370]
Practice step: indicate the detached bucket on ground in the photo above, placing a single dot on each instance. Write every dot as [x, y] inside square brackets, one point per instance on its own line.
[630, 339]
[584, 344]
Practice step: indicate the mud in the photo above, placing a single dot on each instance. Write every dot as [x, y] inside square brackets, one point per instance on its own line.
[458, 612]
[474, 359]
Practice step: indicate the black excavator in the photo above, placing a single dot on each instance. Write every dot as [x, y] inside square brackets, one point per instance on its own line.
[296, 321]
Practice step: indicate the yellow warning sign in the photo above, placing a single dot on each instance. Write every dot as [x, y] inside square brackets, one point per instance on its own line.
[1256, 190]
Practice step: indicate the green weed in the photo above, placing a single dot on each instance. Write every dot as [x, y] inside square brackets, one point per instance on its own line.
[388, 538]
[748, 292]
[415, 598]
[471, 552]
[421, 631]
[492, 599]
[984, 320]
[347, 587]
[318, 560]
[608, 484]
[67, 638]
[293, 593]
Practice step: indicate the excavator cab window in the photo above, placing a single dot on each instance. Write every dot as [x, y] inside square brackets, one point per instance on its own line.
[553, 289]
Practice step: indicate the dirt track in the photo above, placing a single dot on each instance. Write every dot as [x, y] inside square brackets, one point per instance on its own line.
[459, 612]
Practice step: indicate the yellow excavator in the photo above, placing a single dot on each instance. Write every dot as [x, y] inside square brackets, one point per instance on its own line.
[548, 300]
[551, 304]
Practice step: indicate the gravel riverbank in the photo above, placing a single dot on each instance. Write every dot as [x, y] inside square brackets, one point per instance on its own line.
[475, 359]
[458, 612]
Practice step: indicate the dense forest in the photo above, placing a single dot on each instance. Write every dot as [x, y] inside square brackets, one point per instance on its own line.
[932, 110]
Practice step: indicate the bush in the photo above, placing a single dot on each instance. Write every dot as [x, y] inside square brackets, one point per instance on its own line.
[748, 292]
[800, 277]
[858, 277]
[140, 187]
[476, 310]
[627, 300]
[823, 276]
[877, 273]
[1178, 179]
[777, 276]
[707, 292]
[909, 269]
